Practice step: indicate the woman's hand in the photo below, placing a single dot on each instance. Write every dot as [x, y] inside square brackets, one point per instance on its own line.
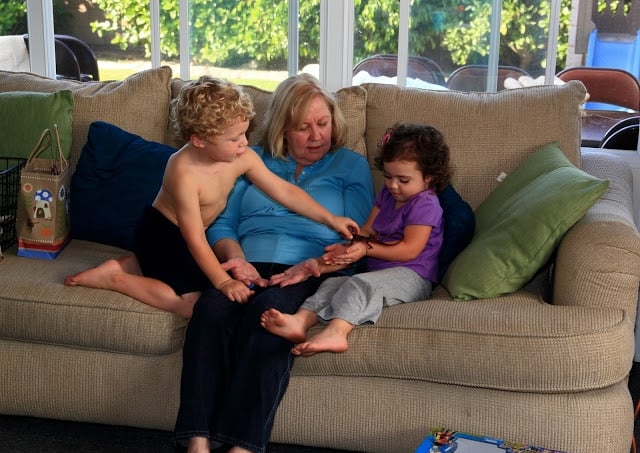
[298, 273]
[235, 291]
[242, 270]
[341, 254]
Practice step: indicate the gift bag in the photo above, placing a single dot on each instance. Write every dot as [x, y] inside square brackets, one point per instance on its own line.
[43, 205]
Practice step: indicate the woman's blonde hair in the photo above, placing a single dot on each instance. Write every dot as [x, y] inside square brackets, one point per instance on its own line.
[207, 106]
[288, 108]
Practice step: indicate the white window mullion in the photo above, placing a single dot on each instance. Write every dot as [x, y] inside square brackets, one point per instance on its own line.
[293, 37]
[403, 42]
[154, 11]
[336, 43]
[42, 52]
[494, 46]
[185, 44]
[552, 42]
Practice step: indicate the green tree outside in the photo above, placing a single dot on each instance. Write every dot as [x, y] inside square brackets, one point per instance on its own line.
[234, 33]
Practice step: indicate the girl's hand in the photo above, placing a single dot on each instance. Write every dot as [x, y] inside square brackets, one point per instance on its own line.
[242, 270]
[341, 254]
[235, 291]
[345, 226]
[296, 274]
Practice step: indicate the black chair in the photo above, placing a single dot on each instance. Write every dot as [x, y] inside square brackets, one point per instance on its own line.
[473, 77]
[422, 68]
[622, 135]
[86, 58]
[67, 66]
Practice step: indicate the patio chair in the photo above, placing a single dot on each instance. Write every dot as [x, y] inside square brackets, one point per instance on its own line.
[67, 66]
[473, 77]
[86, 58]
[422, 68]
[622, 135]
[608, 88]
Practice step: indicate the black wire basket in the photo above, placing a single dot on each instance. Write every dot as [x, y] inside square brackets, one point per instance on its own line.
[10, 168]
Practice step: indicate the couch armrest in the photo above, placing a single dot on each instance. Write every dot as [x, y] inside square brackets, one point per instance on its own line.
[598, 261]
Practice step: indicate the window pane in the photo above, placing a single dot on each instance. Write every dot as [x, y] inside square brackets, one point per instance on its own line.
[246, 42]
[457, 35]
[119, 39]
[375, 42]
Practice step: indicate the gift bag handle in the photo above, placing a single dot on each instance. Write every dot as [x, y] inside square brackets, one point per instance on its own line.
[40, 147]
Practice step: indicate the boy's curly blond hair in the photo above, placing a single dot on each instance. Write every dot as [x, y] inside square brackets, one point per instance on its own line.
[207, 106]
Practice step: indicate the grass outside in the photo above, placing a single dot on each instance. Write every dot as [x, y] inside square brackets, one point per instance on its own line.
[121, 69]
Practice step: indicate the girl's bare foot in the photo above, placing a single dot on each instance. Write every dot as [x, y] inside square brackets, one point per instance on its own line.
[284, 325]
[322, 342]
[97, 277]
[332, 338]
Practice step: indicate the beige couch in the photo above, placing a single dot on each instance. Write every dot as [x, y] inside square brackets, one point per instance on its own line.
[516, 367]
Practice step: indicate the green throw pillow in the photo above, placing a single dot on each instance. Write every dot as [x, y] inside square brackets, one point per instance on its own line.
[25, 114]
[521, 223]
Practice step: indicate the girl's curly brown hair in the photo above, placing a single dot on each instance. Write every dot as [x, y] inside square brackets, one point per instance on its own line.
[207, 106]
[418, 143]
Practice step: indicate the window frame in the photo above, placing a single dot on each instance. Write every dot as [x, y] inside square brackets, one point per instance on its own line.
[336, 40]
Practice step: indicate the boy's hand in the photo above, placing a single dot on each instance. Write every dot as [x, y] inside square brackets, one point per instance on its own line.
[296, 274]
[242, 270]
[345, 226]
[235, 291]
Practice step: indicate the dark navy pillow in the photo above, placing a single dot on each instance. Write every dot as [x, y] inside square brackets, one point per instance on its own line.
[459, 224]
[118, 174]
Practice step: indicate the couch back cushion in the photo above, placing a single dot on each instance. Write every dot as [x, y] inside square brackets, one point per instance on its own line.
[138, 104]
[351, 100]
[488, 133]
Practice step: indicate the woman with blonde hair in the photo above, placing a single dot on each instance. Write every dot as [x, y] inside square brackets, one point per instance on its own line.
[234, 371]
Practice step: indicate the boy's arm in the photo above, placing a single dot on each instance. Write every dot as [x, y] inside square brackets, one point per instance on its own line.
[294, 198]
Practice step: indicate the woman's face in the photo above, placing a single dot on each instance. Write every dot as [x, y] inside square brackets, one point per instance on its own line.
[312, 140]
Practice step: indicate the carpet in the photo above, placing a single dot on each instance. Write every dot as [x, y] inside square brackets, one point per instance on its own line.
[34, 435]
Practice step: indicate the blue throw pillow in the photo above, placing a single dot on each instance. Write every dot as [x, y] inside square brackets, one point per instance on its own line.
[117, 175]
[459, 224]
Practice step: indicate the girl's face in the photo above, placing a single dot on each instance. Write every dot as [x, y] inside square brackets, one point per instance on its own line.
[404, 179]
[227, 146]
[312, 140]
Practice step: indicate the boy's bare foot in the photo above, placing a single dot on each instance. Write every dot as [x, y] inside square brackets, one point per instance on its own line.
[284, 325]
[97, 277]
[185, 307]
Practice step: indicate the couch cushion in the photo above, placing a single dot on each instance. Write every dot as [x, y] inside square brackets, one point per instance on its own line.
[36, 306]
[514, 343]
[459, 224]
[138, 104]
[521, 223]
[115, 165]
[487, 133]
[25, 114]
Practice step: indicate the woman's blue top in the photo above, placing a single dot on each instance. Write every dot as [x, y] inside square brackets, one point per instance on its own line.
[268, 232]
